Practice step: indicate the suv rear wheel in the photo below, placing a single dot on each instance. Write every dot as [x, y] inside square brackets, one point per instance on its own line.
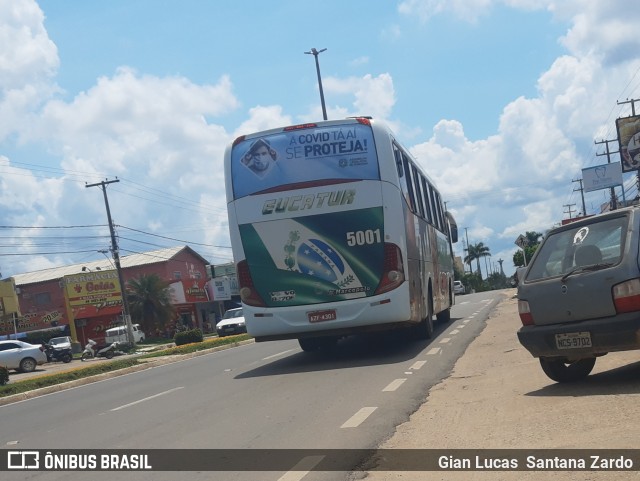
[562, 371]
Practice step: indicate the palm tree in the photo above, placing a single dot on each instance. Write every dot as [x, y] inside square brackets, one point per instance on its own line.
[150, 302]
[475, 252]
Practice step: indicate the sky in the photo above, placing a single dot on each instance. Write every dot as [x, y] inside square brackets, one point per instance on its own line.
[501, 101]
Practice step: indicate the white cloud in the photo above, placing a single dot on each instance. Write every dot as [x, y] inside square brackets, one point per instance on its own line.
[468, 10]
[28, 62]
[374, 96]
[261, 118]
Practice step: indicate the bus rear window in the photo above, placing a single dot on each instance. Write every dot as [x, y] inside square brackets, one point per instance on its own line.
[331, 153]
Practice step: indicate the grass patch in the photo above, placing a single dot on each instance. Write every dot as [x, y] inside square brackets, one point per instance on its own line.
[53, 379]
[47, 380]
[198, 346]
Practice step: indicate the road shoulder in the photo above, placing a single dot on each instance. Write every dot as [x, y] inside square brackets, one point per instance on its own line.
[498, 397]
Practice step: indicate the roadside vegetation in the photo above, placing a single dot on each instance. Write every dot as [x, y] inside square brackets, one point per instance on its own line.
[74, 373]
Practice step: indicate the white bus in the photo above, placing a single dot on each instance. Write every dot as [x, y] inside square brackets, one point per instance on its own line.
[335, 230]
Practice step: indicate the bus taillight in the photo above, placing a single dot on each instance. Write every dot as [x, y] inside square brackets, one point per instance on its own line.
[248, 292]
[393, 273]
[300, 127]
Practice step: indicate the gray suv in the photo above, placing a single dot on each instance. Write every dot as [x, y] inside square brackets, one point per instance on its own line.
[580, 295]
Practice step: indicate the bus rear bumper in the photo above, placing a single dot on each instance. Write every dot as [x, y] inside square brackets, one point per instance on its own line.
[384, 312]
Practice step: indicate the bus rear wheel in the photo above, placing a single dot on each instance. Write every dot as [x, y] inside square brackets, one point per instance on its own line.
[444, 317]
[424, 330]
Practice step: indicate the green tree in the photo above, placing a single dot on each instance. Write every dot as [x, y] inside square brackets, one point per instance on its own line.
[150, 302]
[473, 282]
[475, 252]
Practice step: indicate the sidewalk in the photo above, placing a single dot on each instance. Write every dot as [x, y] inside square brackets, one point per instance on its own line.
[498, 397]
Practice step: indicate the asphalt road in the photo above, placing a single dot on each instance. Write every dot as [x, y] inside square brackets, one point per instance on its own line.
[257, 396]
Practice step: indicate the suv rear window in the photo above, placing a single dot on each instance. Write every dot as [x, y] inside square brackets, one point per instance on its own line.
[568, 249]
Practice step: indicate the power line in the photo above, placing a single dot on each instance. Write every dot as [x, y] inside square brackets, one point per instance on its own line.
[171, 238]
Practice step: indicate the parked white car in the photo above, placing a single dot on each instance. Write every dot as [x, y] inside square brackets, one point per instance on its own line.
[21, 356]
[458, 288]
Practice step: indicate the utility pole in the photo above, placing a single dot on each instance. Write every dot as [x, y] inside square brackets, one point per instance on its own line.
[116, 260]
[569, 211]
[468, 256]
[581, 189]
[614, 202]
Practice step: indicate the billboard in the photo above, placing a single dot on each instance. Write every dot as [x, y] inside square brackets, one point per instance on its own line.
[602, 176]
[629, 142]
[98, 289]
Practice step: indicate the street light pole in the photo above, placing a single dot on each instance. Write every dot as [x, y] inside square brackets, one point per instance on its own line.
[315, 53]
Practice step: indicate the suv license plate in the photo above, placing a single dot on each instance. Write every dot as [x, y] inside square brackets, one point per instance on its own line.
[573, 340]
[319, 316]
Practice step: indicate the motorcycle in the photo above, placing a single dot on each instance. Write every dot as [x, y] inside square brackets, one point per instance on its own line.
[61, 354]
[92, 350]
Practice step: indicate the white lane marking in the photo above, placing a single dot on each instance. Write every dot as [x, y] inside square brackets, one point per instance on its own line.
[300, 470]
[147, 398]
[435, 350]
[454, 332]
[278, 354]
[418, 364]
[467, 321]
[393, 385]
[445, 340]
[461, 326]
[358, 418]
[408, 373]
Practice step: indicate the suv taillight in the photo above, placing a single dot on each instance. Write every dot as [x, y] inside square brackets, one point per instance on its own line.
[393, 274]
[248, 292]
[525, 313]
[626, 296]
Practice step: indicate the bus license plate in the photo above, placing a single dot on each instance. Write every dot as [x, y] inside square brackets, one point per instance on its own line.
[573, 340]
[319, 316]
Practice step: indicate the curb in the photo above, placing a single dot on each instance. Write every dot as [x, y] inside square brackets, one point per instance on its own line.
[146, 364]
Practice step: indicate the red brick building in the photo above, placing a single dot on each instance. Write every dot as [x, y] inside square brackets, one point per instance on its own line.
[42, 299]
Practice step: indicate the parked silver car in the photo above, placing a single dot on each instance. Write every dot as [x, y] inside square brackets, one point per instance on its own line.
[458, 288]
[580, 295]
[21, 356]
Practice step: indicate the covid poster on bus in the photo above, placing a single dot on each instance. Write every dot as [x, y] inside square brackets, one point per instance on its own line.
[335, 151]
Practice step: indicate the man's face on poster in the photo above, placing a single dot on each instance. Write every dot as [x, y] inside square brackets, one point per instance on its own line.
[261, 158]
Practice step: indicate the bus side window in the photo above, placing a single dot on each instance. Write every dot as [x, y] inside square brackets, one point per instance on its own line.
[418, 191]
[427, 205]
[409, 180]
[434, 208]
[403, 179]
[439, 210]
[398, 157]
